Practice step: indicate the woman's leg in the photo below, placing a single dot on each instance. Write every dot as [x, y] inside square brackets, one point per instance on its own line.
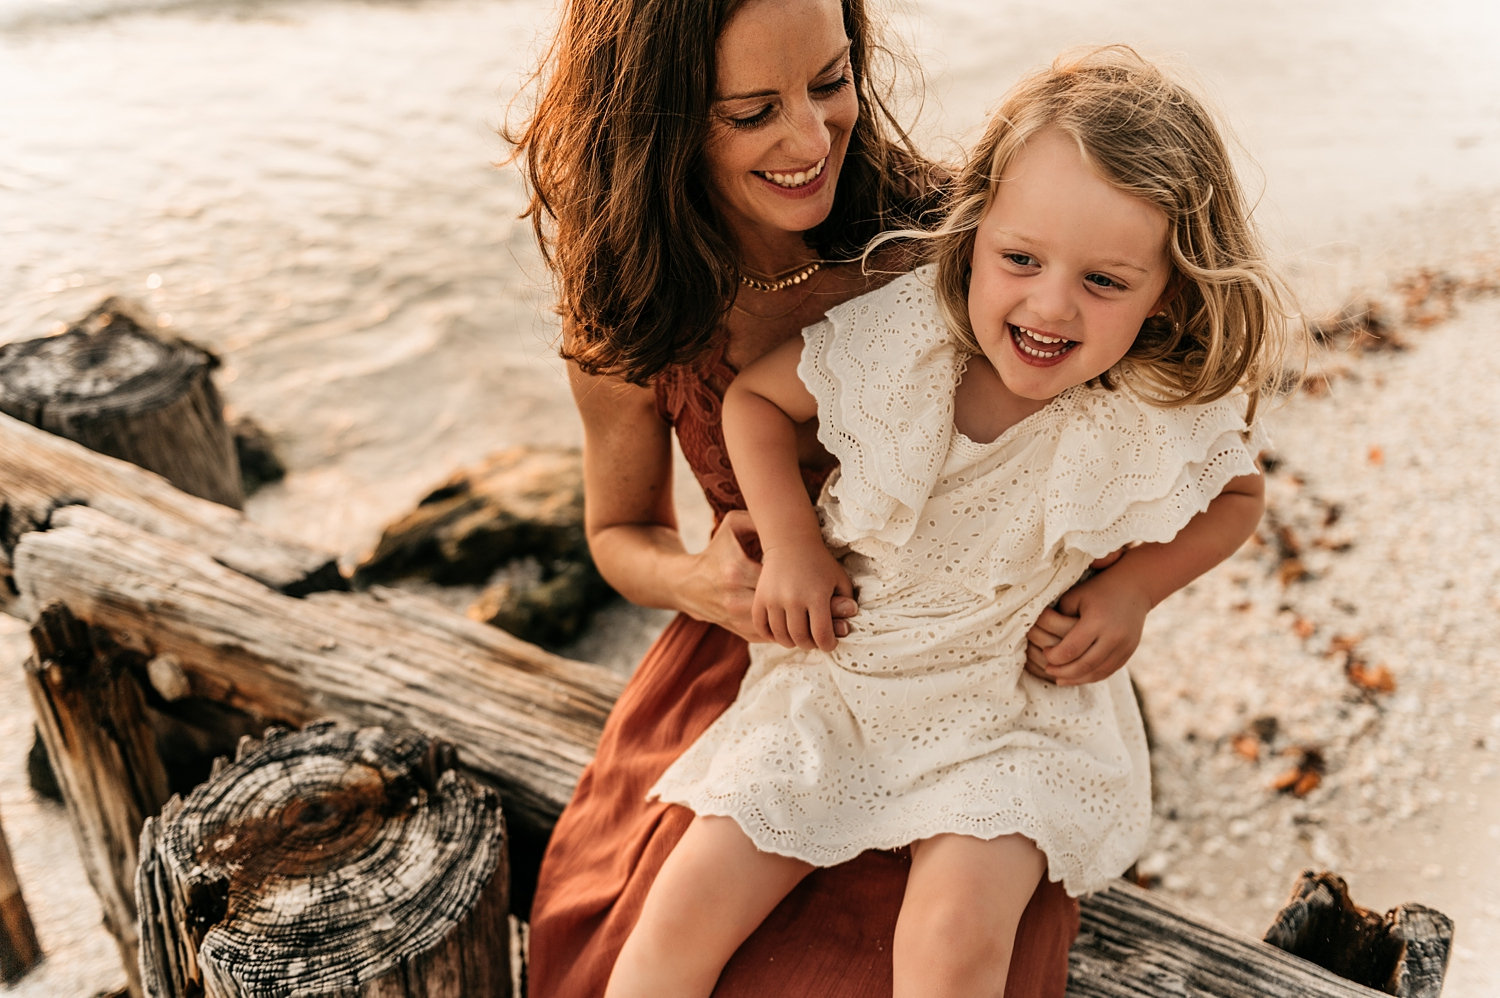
[957, 928]
[711, 893]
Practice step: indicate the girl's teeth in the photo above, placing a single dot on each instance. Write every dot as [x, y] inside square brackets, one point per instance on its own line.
[1022, 334]
[795, 179]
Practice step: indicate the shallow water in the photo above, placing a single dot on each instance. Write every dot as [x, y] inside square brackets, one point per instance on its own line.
[307, 189]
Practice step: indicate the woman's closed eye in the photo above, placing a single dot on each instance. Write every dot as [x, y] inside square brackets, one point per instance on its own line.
[752, 118]
[834, 87]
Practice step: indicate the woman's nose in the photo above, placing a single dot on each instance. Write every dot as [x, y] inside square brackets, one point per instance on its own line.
[807, 139]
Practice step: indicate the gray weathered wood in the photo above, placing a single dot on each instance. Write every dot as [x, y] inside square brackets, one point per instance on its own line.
[527, 720]
[116, 384]
[1134, 944]
[331, 860]
[40, 471]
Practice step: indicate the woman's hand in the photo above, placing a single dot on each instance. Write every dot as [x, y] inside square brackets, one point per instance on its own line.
[725, 578]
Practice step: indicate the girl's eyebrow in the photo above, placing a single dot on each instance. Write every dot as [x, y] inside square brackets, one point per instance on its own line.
[827, 66]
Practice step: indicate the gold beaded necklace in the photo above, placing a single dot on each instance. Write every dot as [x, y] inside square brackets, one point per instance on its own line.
[782, 281]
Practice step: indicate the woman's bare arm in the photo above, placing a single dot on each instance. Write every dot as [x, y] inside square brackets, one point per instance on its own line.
[629, 516]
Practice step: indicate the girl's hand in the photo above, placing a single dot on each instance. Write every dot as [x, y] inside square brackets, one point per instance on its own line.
[726, 578]
[1094, 630]
[793, 602]
[1051, 627]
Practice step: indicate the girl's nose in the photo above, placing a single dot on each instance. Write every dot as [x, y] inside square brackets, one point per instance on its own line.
[1051, 299]
[807, 139]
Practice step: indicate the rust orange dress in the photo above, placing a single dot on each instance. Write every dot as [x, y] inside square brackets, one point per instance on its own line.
[831, 937]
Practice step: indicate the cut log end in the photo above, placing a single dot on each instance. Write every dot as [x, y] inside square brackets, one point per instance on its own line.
[327, 860]
[1403, 952]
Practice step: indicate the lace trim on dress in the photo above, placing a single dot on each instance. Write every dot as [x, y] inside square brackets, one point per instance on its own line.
[886, 415]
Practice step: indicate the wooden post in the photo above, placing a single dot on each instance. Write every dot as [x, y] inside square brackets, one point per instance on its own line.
[92, 715]
[333, 860]
[1403, 952]
[19, 950]
[113, 384]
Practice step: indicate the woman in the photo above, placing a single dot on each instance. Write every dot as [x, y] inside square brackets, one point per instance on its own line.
[697, 167]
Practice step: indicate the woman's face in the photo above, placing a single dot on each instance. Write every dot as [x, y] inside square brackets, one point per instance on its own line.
[783, 108]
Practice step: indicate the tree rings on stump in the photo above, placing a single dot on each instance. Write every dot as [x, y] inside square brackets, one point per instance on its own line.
[329, 861]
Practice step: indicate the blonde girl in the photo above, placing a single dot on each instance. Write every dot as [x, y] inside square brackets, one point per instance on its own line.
[1078, 369]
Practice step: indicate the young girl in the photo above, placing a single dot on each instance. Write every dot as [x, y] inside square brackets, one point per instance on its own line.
[1077, 370]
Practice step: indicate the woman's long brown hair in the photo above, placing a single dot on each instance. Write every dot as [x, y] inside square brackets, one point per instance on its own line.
[613, 157]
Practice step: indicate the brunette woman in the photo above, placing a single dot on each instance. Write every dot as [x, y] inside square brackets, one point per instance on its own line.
[700, 171]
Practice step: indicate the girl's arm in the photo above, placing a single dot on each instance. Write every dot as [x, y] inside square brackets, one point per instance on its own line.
[1110, 608]
[799, 578]
[630, 519]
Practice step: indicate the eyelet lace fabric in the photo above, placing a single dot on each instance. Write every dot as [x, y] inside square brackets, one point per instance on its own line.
[923, 720]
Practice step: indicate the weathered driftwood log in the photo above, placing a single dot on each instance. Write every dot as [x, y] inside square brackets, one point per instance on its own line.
[92, 715]
[522, 509]
[328, 861]
[527, 720]
[113, 383]
[40, 471]
[19, 950]
[1403, 952]
[1133, 944]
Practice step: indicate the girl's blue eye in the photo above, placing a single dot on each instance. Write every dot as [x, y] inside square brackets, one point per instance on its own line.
[1100, 281]
[1020, 259]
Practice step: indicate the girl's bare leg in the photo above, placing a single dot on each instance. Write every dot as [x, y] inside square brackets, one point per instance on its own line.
[710, 894]
[957, 927]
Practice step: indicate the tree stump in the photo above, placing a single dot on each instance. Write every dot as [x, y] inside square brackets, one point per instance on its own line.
[92, 714]
[19, 951]
[334, 860]
[114, 384]
[1403, 952]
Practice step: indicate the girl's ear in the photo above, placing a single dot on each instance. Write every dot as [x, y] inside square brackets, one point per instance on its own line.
[1168, 294]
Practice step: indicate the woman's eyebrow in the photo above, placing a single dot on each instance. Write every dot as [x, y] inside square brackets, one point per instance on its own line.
[829, 65]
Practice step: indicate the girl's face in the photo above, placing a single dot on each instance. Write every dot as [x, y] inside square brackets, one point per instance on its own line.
[783, 108]
[1066, 267]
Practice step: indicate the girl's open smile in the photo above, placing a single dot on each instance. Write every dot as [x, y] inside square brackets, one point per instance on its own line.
[1038, 348]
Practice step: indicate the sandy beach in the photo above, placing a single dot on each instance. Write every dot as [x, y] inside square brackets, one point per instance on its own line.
[309, 190]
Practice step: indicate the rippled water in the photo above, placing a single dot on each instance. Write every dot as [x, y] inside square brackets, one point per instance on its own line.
[307, 189]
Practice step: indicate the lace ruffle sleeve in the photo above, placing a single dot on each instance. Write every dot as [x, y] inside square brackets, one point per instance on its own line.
[882, 369]
[1127, 471]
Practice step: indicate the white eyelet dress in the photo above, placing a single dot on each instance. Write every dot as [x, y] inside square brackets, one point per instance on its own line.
[923, 720]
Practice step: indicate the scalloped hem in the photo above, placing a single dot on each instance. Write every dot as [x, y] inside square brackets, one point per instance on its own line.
[1075, 881]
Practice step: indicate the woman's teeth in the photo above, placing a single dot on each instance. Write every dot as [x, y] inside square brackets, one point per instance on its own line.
[795, 179]
[1025, 339]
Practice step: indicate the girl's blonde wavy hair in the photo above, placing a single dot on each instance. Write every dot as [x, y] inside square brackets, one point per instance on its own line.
[1228, 322]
